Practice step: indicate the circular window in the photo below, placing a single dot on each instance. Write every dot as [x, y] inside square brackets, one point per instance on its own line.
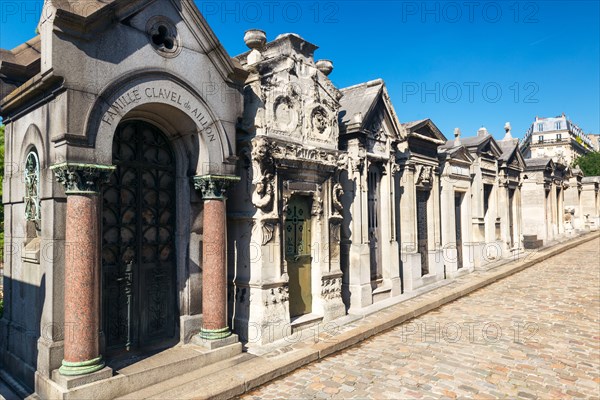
[163, 36]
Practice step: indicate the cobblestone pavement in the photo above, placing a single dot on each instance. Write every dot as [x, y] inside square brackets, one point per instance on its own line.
[535, 334]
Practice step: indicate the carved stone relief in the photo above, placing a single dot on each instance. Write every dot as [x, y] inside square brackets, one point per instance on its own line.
[424, 175]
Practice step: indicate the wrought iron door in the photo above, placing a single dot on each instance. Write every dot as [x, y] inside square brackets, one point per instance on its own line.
[138, 246]
[298, 255]
[422, 238]
[511, 232]
[458, 198]
[373, 179]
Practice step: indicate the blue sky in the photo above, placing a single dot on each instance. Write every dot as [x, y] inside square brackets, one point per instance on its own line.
[463, 64]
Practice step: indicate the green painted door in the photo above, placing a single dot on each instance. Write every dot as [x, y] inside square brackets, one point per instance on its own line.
[298, 255]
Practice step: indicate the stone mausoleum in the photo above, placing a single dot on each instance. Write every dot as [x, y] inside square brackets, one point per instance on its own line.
[166, 202]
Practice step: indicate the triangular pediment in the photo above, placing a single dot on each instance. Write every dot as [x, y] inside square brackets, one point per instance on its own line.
[129, 33]
[460, 154]
[367, 108]
[425, 129]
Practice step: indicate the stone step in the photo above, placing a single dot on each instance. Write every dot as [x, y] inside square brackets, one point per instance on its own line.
[535, 244]
[306, 321]
[175, 387]
[152, 371]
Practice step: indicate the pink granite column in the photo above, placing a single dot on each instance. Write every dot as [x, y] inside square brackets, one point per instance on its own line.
[82, 267]
[214, 259]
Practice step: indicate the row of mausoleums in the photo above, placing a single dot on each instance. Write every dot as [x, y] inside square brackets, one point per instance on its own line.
[161, 192]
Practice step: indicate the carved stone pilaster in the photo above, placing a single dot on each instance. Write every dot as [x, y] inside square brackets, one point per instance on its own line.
[80, 178]
[213, 187]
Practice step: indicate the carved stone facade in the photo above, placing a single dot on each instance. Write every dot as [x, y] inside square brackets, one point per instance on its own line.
[418, 182]
[486, 218]
[543, 199]
[289, 161]
[149, 213]
[456, 216]
[511, 166]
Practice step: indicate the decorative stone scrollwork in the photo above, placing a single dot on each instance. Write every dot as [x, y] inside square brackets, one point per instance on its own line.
[82, 178]
[32, 188]
[285, 113]
[503, 181]
[424, 175]
[319, 120]
[338, 192]
[213, 187]
[264, 194]
[317, 204]
[268, 231]
[303, 153]
[276, 296]
[331, 288]
[396, 168]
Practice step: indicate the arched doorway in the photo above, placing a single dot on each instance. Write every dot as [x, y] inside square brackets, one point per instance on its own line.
[138, 241]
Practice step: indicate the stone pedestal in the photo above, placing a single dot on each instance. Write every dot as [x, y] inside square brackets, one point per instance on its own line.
[214, 279]
[82, 267]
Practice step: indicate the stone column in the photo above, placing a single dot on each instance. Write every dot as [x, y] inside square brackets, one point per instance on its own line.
[214, 255]
[82, 266]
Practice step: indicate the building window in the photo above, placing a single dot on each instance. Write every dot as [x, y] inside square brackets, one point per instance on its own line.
[32, 188]
[540, 128]
[559, 137]
[558, 125]
[487, 194]
[540, 139]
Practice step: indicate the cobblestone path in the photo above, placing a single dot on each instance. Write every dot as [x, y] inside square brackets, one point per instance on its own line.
[533, 335]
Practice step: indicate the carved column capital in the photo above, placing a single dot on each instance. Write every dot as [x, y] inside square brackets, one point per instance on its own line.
[78, 178]
[213, 187]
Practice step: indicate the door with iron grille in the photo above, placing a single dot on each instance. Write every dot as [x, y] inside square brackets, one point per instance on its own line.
[298, 255]
[423, 247]
[511, 223]
[458, 198]
[138, 241]
[373, 184]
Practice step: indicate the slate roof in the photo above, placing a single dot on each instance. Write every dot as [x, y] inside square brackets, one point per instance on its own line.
[538, 163]
[81, 8]
[508, 148]
[357, 99]
[474, 141]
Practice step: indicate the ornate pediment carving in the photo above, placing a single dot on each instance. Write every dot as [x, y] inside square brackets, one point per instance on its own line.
[424, 175]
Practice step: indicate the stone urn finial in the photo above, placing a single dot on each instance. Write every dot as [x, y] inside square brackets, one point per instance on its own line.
[325, 66]
[255, 39]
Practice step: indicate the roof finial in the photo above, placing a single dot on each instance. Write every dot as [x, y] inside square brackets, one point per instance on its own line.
[456, 137]
[255, 39]
[507, 129]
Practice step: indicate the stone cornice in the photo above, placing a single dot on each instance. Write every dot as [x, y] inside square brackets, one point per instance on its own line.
[79, 178]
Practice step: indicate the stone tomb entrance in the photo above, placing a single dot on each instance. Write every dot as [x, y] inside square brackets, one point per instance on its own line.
[138, 242]
[298, 255]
